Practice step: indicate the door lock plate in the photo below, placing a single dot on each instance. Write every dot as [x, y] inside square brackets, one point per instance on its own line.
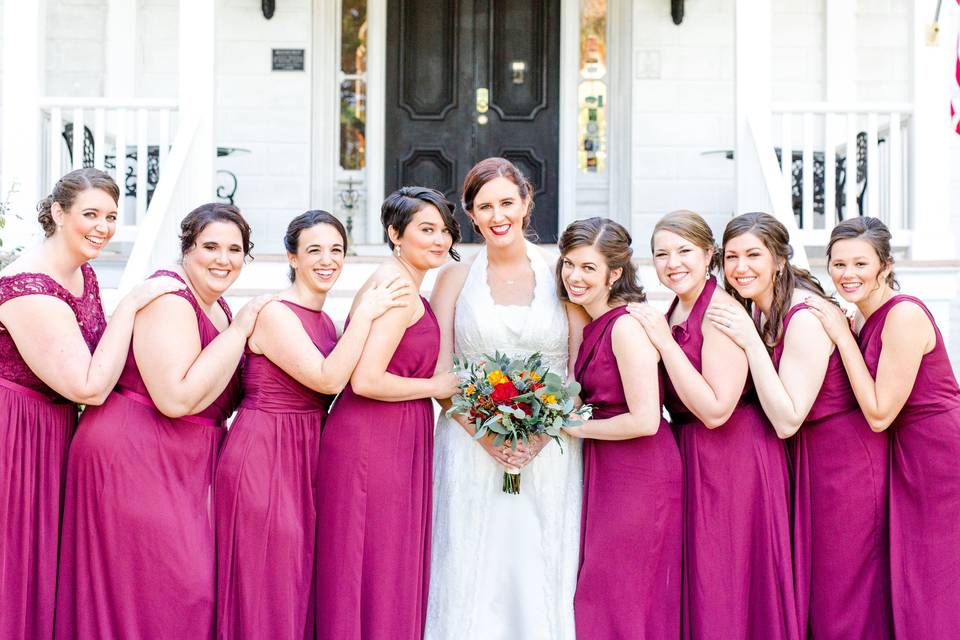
[483, 99]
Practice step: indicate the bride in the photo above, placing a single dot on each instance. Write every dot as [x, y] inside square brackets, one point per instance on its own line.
[503, 566]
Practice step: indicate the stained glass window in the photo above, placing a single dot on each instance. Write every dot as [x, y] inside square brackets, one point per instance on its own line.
[353, 84]
[592, 90]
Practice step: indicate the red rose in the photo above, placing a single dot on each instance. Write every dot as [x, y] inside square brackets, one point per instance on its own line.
[503, 392]
[536, 385]
[526, 408]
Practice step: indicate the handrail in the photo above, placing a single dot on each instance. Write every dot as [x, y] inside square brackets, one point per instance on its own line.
[108, 103]
[842, 107]
[782, 207]
[149, 229]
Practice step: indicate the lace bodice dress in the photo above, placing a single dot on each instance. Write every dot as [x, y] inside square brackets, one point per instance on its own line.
[505, 566]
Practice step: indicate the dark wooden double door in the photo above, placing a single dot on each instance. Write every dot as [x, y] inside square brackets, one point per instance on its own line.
[441, 57]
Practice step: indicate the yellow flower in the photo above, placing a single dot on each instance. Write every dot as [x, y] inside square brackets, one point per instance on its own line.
[469, 390]
[534, 376]
[550, 399]
[496, 377]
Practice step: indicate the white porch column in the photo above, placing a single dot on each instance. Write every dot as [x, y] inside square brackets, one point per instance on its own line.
[376, 125]
[20, 155]
[197, 90]
[121, 46]
[932, 133]
[752, 80]
[840, 61]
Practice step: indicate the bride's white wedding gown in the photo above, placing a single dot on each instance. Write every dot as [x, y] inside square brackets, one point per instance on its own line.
[505, 566]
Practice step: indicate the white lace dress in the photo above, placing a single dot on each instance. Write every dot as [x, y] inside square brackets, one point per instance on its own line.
[505, 566]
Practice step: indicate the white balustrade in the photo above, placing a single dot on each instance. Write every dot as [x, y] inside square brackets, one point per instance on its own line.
[124, 134]
[831, 136]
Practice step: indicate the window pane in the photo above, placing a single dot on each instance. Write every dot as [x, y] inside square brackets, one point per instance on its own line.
[592, 92]
[353, 121]
[353, 37]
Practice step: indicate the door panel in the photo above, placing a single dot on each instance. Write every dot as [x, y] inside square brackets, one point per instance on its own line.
[439, 54]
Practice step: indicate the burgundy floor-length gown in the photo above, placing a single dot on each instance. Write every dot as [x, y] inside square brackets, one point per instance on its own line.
[738, 576]
[840, 526]
[265, 492]
[924, 489]
[630, 544]
[36, 425]
[375, 510]
[137, 559]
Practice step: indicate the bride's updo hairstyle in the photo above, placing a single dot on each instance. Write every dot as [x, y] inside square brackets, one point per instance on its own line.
[400, 206]
[613, 242]
[787, 278]
[67, 189]
[491, 169]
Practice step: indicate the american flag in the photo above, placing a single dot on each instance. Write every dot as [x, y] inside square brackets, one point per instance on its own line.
[955, 101]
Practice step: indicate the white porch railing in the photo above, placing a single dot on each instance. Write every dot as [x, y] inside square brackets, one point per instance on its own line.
[841, 160]
[184, 185]
[129, 138]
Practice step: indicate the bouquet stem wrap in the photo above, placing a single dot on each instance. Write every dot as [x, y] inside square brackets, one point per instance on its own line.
[511, 480]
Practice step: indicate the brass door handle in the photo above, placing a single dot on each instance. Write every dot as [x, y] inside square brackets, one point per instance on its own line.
[483, 99]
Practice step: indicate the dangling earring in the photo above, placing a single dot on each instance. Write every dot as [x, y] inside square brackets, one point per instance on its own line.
[396, 250]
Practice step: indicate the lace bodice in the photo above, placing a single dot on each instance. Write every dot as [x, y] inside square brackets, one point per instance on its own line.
[514, 329]
[87, 308]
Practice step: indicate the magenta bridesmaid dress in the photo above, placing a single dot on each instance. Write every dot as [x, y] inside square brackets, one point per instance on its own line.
[924, 489]
[840, 528]
[265, 492]
[738, 576]
[137, 558]
[375, 510]
[630, 541]
[36, 425]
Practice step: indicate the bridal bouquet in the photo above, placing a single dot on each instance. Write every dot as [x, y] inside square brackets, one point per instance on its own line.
[515, 398]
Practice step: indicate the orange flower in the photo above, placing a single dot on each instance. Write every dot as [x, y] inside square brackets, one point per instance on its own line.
[469, 390]
[534, 376]
[550, 399]
[496, 377]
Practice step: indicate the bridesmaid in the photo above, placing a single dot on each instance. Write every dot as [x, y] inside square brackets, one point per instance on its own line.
[137, 558]
[902, 379]
[375, 470]
[632, 474]
[839, 465]
[738, 581]
[265, 482]
[56, 349]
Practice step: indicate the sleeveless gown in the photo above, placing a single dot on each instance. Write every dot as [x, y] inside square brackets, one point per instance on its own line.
[137, 559]
[738, 578]
[840, 526]
[373, 523]
[265, 490]
[36, 425]
[924, 489]
[632, 511]
[479, 588]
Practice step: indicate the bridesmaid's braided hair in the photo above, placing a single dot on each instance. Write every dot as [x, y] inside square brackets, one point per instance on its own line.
[776, 239]
[613, 241]
[869, 230]
[307, 220]
[67, 189]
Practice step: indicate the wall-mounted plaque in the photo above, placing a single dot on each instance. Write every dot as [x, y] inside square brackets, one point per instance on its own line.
[288, 59]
